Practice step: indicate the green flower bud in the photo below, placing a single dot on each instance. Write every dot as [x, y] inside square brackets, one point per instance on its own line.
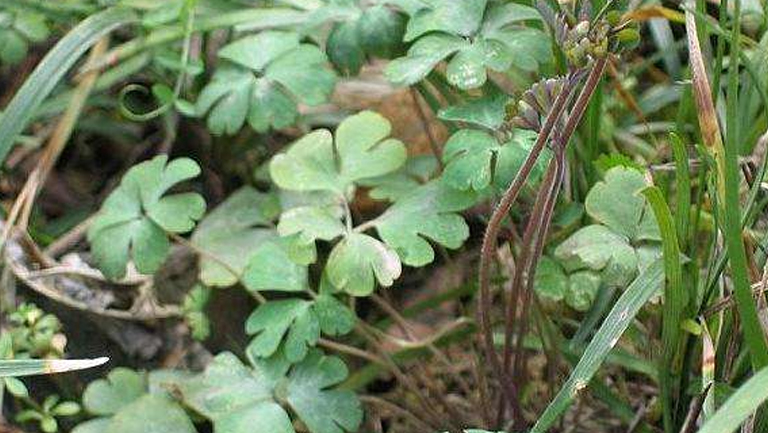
[628, 38]
[613, 18]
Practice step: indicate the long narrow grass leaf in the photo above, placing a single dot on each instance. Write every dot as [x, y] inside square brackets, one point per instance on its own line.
[739, 406]
[753, 331]
[52, 69]
[682, 189]
[33, 367]
[614, 325]
[675, 299]
[726, 159]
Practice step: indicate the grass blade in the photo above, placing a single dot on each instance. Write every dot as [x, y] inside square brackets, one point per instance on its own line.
[682, 190]
[33, 367]
[614, 325]
[727, 180]
[740, 405]
[753, 331]
[675, 299]
[52, 69]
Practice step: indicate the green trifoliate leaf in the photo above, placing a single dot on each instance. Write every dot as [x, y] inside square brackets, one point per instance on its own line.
[578, 289]
[334, 317]
[430, 212]
[320, 408]
[134, 219]
[290, 318]
[344, 50]
[232, 232]
[448, 27]
[460, 17]
[121, 388]
[582, 290]
[629, 216]
[357, 260]
[487, 111]
[359, 31]
[380, 31]
[237, 399]
[422, 57]
[393, 186]
[268, 72]
[512, 156]
[598, 248]
[273, 266]
[18, 30]
[468, 155]
[363, 151]
[297, 323]
[311, 223]
[129, 403]
[550, 282]
[152, 413]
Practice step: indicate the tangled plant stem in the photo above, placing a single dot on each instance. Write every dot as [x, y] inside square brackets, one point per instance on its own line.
[509, 388]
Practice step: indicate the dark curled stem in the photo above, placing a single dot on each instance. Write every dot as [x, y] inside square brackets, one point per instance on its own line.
[508, 387]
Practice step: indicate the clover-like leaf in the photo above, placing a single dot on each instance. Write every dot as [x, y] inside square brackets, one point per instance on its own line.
[134, 219]
[232, 232]
[18, 30]
[422, 57]
[273, 320]
[311, 223]
[429, 211]
[334, 317]
[323, 410]
[235, 398]
[582, 290]
[297, 323]
[239, 399]
[361, 150]
[488, 111]
[577, 289]
[393, 186]
[474, 159]
[482, 35]
[598, 248]
[460, 17]
[267, 73]
[273, 266]
[131, 402]
[358, 261]
[629, 216]
[550, 281]
[107, 396]
[152, 413]
[359, 31]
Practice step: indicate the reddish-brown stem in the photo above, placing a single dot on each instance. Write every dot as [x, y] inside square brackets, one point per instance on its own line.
[508, 389]
[529, 273]
[538, 211]
[522, 262]
[523, 281]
